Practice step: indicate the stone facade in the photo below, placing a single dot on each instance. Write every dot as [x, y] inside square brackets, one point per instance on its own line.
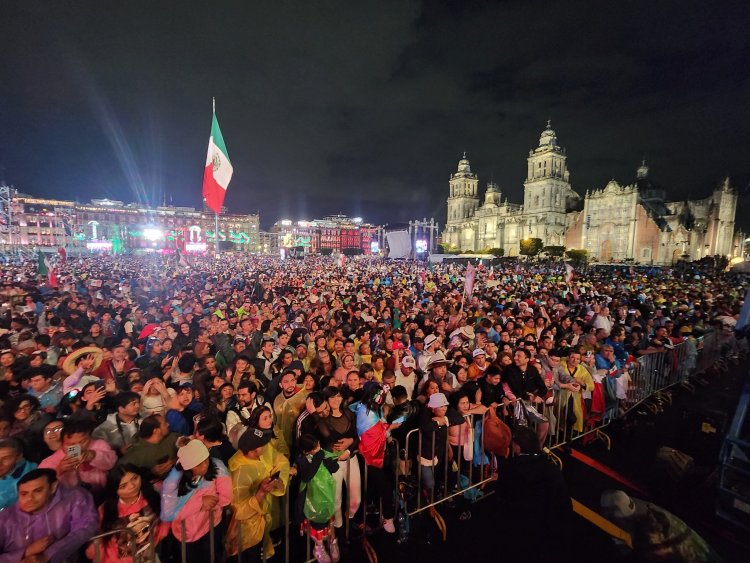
[615, 223]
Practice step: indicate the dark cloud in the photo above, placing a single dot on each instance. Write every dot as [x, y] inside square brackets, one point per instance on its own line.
[365, 107]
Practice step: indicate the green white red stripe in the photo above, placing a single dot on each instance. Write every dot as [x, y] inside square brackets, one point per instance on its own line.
[218, 171]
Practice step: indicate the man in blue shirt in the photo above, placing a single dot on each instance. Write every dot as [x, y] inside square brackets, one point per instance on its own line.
[13, 466]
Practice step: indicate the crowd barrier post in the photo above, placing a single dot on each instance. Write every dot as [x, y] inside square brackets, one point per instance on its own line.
[183, 543]
[98, 542]
[239, 544]
[286, 523]
[211, 535]
[433, 468]
[447, 459]
[353, 458]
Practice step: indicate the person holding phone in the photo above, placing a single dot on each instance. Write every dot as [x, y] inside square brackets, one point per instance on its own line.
[81, 460]
[259, 475]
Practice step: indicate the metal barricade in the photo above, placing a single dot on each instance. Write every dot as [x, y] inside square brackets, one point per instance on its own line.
[446, 469]
[97, 540]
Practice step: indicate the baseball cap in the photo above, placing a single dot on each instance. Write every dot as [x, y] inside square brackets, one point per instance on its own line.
[478, 352]
[408, 361]
[252, 439]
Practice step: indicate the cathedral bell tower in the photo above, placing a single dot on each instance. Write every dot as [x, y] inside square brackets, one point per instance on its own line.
[546, 189]
[463, 199]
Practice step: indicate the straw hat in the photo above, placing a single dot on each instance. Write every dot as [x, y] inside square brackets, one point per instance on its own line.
[438, 359]
[69, 365]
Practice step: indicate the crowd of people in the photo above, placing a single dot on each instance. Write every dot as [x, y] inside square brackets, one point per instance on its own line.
[178, 406]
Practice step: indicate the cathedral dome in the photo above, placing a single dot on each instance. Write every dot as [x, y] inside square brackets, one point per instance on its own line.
[548, 137]
[463, 164]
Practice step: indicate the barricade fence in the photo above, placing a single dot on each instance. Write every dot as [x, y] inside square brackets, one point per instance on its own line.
[464, 468]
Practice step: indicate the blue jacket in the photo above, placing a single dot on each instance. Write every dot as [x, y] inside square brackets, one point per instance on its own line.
[9, 483]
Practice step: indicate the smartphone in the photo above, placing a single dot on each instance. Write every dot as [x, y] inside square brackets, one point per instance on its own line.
[276, 475]
[73, 451]
[99, 384]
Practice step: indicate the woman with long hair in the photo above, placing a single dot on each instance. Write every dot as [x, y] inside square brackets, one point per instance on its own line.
[130, 502]
[192, 498]
[242, 369]
[338, 431]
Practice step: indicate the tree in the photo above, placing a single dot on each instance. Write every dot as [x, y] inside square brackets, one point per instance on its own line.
[554, 251]
[530, 246]
[449, 248]
[577, 255]
[496, 252]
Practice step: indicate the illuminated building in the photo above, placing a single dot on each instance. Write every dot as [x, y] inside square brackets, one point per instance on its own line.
[113, 226]
[333, 234]
[615, 223]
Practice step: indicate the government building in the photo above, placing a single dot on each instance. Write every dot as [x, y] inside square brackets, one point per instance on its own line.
[614, 223]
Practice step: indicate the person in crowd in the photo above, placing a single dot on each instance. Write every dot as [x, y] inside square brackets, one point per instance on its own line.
[407, 375]
[575, 384]
[192, 498]
[116, 368]
[248, 400]
[13, 466]
[372, 431]
[82, 460]
[286, 408]
[315, 469]
[47, 391]
[130, 502]
[526, 385]
[155, 397]
[48, 522]
[121, 427]
[210, 431]
[316, 407]
[181, 413]
[437, 370]
[27, 419]
[433, 427]
[338, 432]
[155, 448]
[51, 441]
[614, 373]
[461, 437]
[259, 475]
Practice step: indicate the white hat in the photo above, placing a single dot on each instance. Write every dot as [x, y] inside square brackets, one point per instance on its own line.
[408, 362]
[429, 339]
[437, 400]
[619, 505]
[478, 352]
[438, 359]
[192, 454]
[467, 332]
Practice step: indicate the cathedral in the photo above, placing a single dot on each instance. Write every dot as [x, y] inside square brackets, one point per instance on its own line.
[614, 224]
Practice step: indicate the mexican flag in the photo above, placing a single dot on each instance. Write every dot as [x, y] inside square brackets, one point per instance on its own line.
[44, 268]
[218, 171]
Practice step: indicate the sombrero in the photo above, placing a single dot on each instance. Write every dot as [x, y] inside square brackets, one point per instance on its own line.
[69, 365]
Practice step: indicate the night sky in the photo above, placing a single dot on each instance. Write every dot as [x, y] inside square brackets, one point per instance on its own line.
[365, 108]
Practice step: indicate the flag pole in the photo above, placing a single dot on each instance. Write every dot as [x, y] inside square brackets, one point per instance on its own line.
[216, 215]
[216, 236]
